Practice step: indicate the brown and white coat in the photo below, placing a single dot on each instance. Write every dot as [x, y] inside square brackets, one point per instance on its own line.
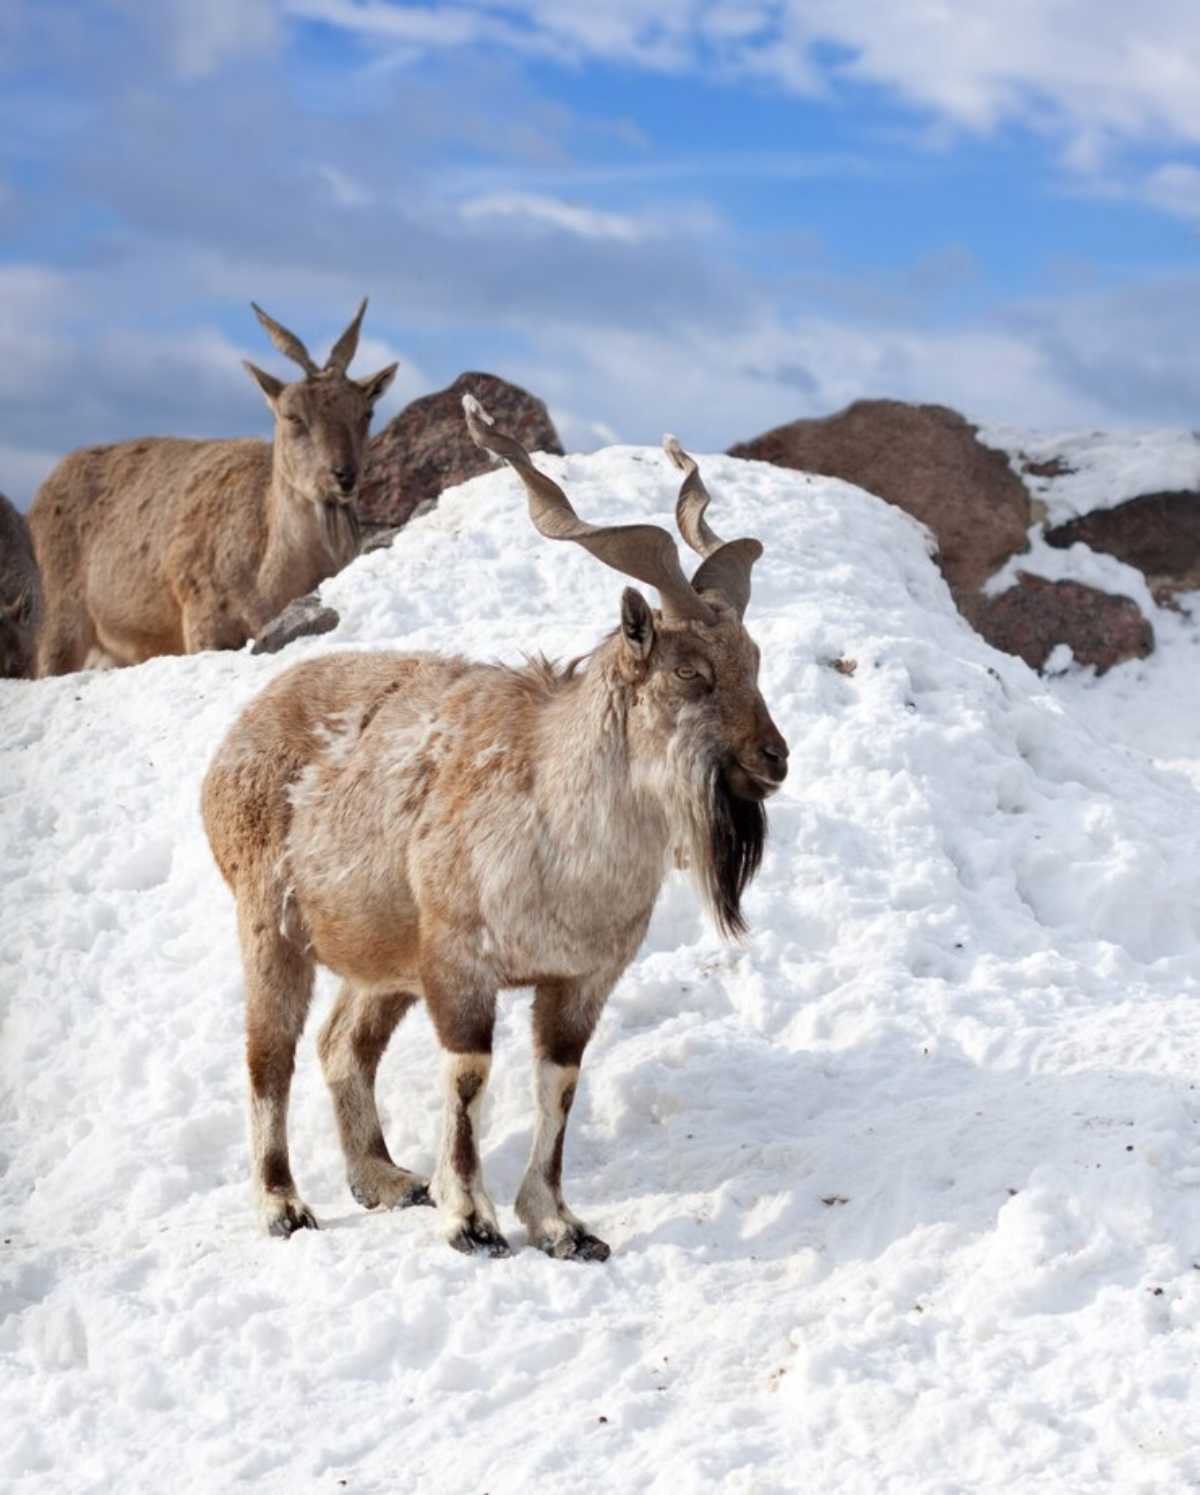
[433, 828]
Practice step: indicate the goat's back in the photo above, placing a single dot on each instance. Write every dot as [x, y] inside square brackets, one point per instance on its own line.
[124, 533]
[306, 718]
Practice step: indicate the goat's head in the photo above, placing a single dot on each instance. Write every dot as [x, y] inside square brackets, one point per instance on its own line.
[700, 737]
[322, 420]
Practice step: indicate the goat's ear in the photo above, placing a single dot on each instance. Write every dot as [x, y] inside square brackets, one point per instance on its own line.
[637, 623]
[268, 383]
[375, 385]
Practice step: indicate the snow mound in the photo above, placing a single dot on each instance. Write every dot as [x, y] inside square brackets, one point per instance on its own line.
[904, 1193]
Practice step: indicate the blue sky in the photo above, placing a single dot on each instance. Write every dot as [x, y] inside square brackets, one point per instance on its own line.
[701, 215]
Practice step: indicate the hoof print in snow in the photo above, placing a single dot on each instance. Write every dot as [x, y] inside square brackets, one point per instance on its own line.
[477, 1239]
[293, 1219]
[578, 1245]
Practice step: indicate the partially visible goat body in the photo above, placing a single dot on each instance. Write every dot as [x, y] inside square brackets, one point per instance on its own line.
[433, 828]
[20, 595]
[170, 546]
[165, 546]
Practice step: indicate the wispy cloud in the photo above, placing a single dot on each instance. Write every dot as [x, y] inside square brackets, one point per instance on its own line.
[1092, 72]
[553, 213]
[1174, 188]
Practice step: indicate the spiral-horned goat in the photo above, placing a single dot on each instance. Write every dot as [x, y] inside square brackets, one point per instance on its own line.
[168, 546]
[430, 827]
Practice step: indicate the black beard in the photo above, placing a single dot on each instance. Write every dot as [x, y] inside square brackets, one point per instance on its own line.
[737, 834]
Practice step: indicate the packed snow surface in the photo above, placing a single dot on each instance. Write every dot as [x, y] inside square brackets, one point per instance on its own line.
[904, 1193]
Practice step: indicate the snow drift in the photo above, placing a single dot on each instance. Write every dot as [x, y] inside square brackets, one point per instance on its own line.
[904, 1194]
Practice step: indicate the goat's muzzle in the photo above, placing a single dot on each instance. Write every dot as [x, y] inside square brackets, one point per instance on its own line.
[346, 477]
[757, 772]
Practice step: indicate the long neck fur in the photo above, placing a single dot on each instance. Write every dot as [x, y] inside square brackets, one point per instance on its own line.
[613, 815]
[305, 542]
[599, 819]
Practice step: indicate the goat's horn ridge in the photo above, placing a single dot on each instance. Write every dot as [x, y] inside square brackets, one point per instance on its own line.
[342, 353]
[287, 342]
[726, 565]
[644, 551]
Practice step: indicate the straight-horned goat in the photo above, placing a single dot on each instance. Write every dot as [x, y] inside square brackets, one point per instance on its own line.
[430, 827]
[170, 546]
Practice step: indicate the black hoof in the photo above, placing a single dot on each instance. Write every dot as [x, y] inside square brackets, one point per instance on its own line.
[418, 1196]
[478, 1239]
[293, 1220]
[577, 1245]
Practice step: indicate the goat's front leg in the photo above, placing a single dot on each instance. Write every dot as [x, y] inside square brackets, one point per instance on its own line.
[564, 1016]
[464, 1019]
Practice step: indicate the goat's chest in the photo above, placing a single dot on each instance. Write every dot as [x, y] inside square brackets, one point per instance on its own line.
[567, 906]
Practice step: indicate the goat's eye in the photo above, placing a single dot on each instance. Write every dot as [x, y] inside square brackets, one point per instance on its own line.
[685, 672]
[296, 423]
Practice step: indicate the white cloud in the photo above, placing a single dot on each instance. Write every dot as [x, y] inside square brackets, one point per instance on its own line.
[1174, 188]
[553, 212]
[1091, 72]
[199, 35]
[717, 388]
[345, 190]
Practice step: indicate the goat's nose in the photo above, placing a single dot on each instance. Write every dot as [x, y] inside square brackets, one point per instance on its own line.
[775, 751]
[346, 476]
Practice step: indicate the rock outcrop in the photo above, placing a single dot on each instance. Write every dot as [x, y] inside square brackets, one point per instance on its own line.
[1159, 533]
[1035, 616]
[426, 448]
[303, 618]
[926, 460]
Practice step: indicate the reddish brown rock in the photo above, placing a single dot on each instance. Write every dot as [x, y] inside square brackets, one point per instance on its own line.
[426, 449]
[1032, 617]
[926, 460]
[1159, 533]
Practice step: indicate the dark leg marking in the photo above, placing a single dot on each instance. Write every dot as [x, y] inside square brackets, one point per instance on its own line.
[477, 1234]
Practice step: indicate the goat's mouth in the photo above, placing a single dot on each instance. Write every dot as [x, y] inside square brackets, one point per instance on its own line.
[748, 783]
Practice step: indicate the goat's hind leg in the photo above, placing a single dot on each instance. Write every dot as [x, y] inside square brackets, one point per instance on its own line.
[279, 981]
[564, 1016]
[351, 1045]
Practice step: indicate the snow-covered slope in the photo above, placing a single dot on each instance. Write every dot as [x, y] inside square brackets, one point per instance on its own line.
[904, 1195]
